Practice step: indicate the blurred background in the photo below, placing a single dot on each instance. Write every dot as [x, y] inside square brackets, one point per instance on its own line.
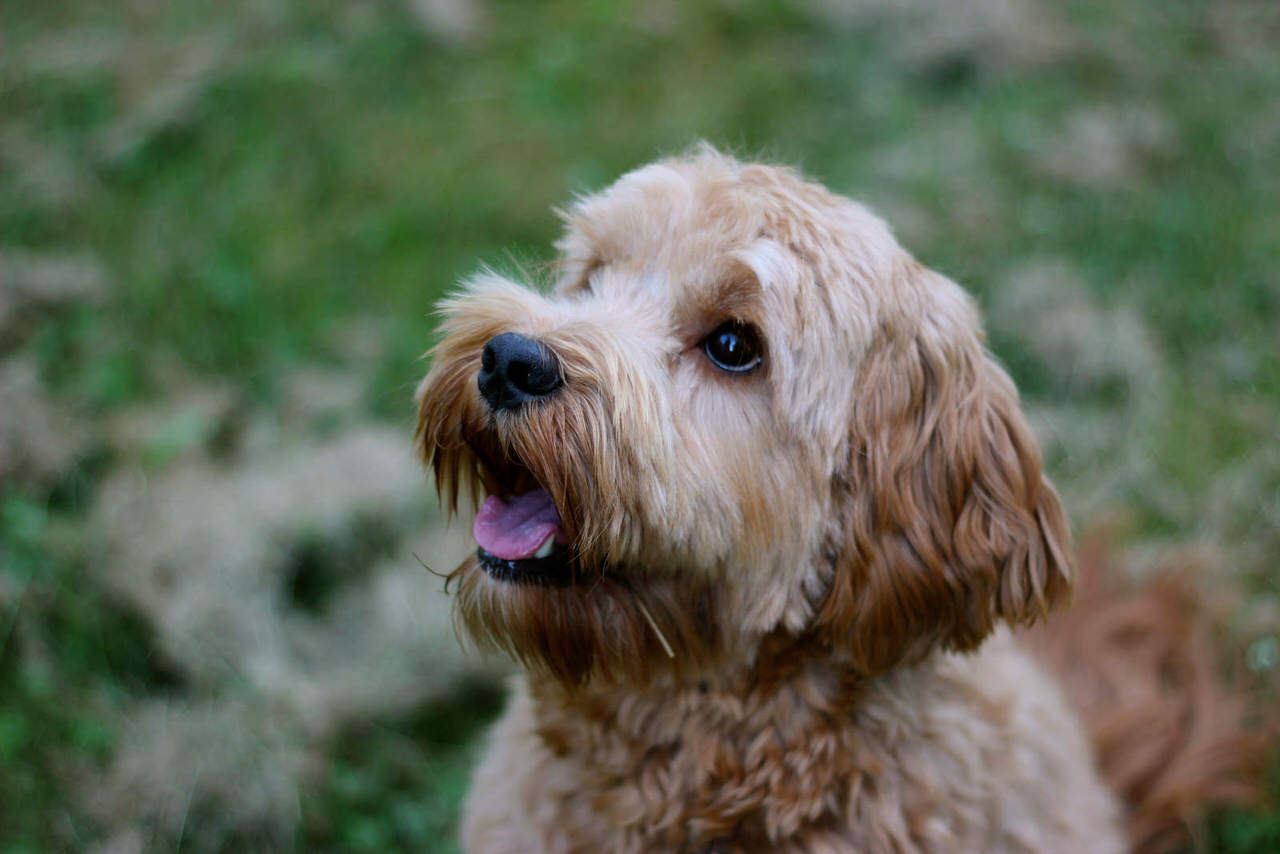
[223, 225]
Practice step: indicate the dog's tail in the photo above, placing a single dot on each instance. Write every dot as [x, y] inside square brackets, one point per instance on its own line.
[1175, 732]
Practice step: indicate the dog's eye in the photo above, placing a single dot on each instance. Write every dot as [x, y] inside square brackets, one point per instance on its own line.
[733, 346]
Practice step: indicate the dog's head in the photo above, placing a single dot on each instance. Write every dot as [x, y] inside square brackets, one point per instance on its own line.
[744, 411]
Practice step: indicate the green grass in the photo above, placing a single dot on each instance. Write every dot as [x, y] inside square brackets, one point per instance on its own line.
[397, 785]
[334, 162]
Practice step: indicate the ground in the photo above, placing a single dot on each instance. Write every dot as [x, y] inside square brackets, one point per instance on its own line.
[222, 229]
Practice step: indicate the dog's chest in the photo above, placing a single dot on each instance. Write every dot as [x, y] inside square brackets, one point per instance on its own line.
[709, 771]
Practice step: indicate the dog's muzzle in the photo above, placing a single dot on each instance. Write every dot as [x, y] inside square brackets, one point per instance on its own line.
[515, 370]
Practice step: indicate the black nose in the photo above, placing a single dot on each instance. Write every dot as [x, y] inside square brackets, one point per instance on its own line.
[515, 369]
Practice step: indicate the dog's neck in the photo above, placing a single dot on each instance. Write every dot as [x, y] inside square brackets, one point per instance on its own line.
[777, 664]
[684, 756]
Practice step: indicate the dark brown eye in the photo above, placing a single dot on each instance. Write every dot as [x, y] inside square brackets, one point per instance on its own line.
[733, 346]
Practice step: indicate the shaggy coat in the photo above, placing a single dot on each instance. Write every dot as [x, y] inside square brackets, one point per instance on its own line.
[780, 624]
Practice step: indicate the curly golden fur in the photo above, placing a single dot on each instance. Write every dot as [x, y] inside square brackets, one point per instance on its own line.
[782, 629]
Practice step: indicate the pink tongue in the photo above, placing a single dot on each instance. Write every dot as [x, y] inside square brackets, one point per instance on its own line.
[513, 530]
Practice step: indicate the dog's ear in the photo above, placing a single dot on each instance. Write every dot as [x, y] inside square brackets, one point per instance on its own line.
[946, 523]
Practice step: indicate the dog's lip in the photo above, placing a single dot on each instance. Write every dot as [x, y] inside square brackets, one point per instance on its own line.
[554, 570]
[521, 541]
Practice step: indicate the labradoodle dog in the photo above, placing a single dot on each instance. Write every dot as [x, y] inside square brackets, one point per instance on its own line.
[758, 512]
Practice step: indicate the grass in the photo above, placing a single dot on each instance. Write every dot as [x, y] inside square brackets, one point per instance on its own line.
[256, 178]
[396, 786]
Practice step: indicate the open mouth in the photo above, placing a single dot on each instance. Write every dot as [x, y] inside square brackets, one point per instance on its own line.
[521, 540]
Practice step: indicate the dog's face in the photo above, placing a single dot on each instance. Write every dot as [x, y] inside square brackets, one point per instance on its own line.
[744, 411]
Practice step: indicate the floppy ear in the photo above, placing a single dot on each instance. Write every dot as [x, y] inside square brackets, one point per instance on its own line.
[948, 523]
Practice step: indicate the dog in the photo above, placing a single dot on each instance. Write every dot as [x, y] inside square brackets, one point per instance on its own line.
[758, 513]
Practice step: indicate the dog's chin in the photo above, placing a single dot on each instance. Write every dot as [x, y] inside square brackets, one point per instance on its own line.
[553, 618]
[557, 569]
